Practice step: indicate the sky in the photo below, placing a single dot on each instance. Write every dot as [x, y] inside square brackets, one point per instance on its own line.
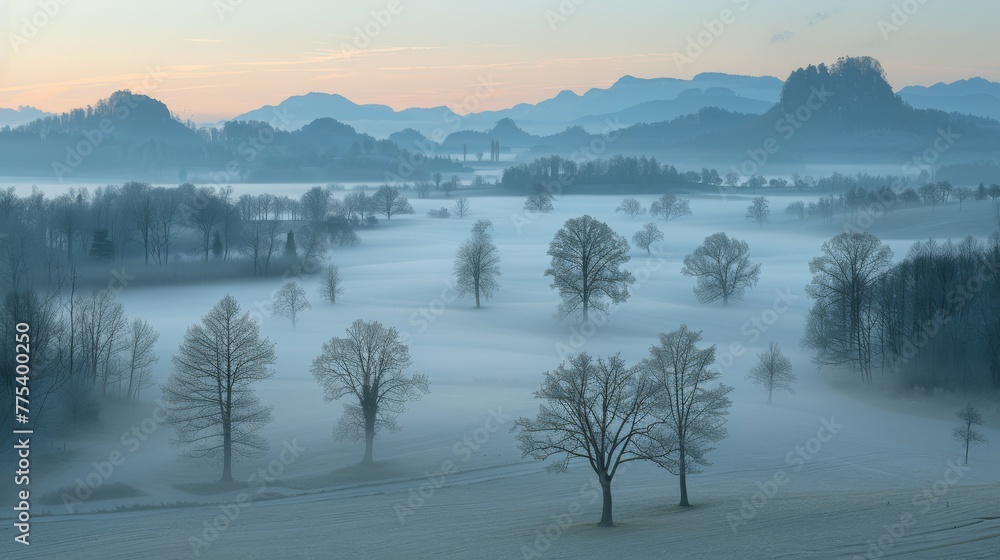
[214, 59]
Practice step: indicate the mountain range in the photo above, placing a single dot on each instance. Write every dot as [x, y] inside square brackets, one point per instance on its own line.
[21, 115]
[712, 118]
[628, 101]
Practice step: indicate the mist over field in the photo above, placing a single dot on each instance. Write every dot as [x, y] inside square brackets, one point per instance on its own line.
[568, 280]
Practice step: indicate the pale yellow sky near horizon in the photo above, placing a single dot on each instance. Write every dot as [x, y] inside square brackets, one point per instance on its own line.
[214, 59]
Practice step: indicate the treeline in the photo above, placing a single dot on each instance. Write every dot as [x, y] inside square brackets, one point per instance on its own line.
[931, 321]
[884, 200]
[616, 170]
[84, 349]
[203, 232]
[642, 170]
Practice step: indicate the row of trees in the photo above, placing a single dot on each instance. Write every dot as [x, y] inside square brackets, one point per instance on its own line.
[668, 409]
[885, 200]
[84, 348]
[928, 320]
[212, 400]
[138, 223]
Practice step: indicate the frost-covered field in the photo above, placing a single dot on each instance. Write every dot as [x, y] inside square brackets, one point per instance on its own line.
[832, 472]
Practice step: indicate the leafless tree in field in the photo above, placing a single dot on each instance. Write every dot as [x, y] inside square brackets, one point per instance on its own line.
[368, 366]
[631, 207]
[669, 207]
[461, 207]
[648, 235]
[967, 434]
[773, 371]
[759, 211]
[389, 202]
[587, 259]
[330, 284]
[693, 413]
[289, 301]
[601, 411]
[539, 201]
[212, 404]
[477, 264]
[723, 269]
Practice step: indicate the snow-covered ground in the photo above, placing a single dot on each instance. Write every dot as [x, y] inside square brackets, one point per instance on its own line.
[831, 472]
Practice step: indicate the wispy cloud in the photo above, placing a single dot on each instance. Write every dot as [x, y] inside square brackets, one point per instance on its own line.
[544, 63]
[786, 35]
[821, 16]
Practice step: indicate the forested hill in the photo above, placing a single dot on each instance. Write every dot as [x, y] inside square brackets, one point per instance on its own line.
[131, 135]
[843, 110]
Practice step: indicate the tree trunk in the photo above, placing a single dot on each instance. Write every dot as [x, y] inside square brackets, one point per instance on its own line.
[369, 442]
[606, 518]
[227, 436]
[227, 445]
[477, 295]
[966, 452]
[369, 437]
[683, 477]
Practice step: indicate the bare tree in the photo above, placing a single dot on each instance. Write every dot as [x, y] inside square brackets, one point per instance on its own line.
[367, 365]
[603, 412]
[843, 283]
[477, 264]
[934, 194]
[669, 207]
[461, 207]
[289, 301]
[758, 211]
[631, 207]
[315, 204]
[963, 194]
[797, 208]
[723, 269]
[423, 188]
[648, 235]
[967, 434]
[693, 413]
[587, 259]
[260, 243]
[357, 202]
[140, 357]
[102, 326]
[451, 185]
[539, 201]
[141, 211]
[28, 317]
[773, 371]
[166, 215]
[329, 284]
[211, 401]
[389, 202]
[205, 213]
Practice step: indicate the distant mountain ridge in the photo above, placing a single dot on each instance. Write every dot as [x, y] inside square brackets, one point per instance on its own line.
[974, 96]
[23, 114]
[860, 117]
